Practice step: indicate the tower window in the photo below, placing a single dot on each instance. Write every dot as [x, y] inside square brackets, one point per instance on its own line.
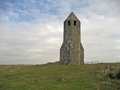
[69, 23]
[74, 23]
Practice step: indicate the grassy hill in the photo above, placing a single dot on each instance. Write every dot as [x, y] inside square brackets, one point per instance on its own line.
[58, 77]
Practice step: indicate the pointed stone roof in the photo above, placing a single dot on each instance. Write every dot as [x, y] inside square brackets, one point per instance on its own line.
[72, 16]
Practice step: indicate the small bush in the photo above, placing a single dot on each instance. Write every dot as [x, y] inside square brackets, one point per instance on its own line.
[114, 74]
[111, 75]
[118, 74]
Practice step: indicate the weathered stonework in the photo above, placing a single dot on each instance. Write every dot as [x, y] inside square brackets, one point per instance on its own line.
[72, 51]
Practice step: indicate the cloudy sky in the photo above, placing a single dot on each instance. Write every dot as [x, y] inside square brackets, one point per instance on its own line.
[31, 31]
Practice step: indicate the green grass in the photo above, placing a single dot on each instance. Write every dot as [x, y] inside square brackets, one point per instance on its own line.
[55, 77]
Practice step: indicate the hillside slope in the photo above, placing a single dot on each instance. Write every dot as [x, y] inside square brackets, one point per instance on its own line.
[57, 77]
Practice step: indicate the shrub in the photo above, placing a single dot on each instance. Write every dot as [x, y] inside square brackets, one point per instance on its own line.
[114, 74]
[111, 75]
[118, 74]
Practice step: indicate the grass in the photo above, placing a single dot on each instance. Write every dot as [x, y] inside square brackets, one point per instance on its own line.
[56, 77]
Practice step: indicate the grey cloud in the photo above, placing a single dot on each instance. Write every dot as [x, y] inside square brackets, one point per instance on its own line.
[99, 36]
[30, 43]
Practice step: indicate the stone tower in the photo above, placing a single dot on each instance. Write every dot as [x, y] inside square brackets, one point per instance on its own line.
[72, 51]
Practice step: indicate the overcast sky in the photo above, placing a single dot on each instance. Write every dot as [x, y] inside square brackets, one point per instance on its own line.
[31, 31]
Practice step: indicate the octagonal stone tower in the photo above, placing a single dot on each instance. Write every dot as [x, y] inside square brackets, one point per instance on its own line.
[72, 51]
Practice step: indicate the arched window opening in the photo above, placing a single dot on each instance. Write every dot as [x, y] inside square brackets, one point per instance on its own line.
[69, 23]
[74, 23]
